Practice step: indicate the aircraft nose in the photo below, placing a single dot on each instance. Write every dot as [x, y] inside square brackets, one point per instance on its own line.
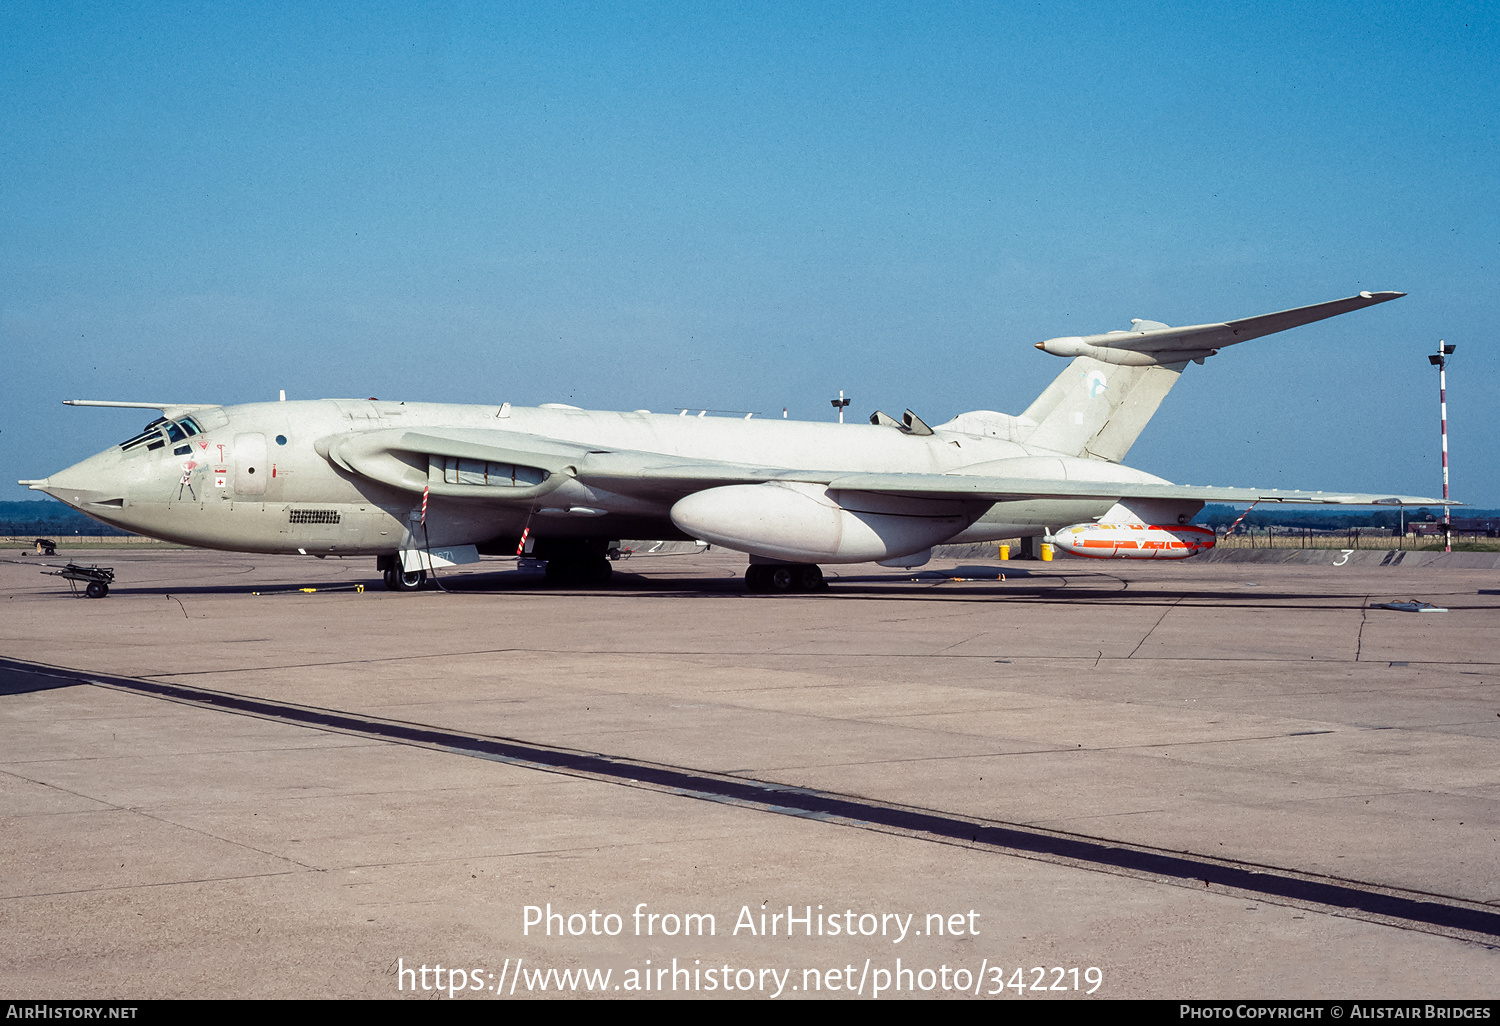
[94, 486]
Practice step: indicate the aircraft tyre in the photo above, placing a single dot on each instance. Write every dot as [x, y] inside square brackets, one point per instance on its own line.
[810, 578]
[96, 589]
[402, 580]
[784, 577]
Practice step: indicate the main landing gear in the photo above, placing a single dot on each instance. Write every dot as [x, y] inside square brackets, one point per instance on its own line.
[784, 577]
[577, 562]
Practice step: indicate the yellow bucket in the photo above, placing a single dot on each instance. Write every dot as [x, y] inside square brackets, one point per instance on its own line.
[1046, 552]
[1005, 552]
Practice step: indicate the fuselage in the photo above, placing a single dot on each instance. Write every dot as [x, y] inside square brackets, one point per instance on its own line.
[258, 478]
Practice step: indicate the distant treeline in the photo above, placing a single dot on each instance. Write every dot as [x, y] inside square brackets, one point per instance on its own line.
[1338, 519]
[45, 517]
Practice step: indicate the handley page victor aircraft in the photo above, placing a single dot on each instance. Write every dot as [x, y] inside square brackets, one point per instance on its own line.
[419, 485]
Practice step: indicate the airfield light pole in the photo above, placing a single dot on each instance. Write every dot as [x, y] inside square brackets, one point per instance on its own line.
[1440, 361]
[839, 404]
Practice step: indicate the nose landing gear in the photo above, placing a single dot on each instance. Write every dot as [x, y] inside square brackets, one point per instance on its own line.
[781, 577]
[396, 578]
[402, 580]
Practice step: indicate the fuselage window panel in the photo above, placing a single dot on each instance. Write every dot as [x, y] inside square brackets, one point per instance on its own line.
[175, 433]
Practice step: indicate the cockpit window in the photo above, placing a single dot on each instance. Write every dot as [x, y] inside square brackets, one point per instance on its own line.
[147, 433]
[150, 436]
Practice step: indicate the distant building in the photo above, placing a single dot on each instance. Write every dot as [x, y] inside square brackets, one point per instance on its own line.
[1487, 526]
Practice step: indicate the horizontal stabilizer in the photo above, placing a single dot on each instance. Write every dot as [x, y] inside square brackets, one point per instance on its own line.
[1150, 342]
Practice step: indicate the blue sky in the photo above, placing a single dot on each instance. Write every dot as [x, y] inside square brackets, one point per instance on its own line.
[659, 206]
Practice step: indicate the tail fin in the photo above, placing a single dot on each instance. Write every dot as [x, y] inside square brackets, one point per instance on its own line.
[1098, 410]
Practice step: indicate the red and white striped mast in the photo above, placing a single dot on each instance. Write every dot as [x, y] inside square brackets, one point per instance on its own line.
[1440, 361]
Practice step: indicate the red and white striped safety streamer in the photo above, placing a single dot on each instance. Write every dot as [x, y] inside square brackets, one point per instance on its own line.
[1443, 409]
[424, 505]
[521, 545]
[1242, 517]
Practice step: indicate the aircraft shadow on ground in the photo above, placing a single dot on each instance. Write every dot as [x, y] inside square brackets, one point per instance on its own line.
[862, 811]
[961, 584]
[25, 682]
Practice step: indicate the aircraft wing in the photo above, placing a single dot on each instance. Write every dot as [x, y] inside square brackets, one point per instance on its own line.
[525, 466]
[1000, 488]
[416, 460]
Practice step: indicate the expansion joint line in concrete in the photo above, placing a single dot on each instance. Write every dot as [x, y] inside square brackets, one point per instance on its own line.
[1433, 913]
[1364, 617]
[1152, 631]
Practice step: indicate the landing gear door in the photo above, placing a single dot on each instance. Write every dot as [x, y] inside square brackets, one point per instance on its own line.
[250, 467]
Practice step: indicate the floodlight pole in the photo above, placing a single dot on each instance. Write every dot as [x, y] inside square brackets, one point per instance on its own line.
[1443, 418]
[1440, 361]
[839, 404]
